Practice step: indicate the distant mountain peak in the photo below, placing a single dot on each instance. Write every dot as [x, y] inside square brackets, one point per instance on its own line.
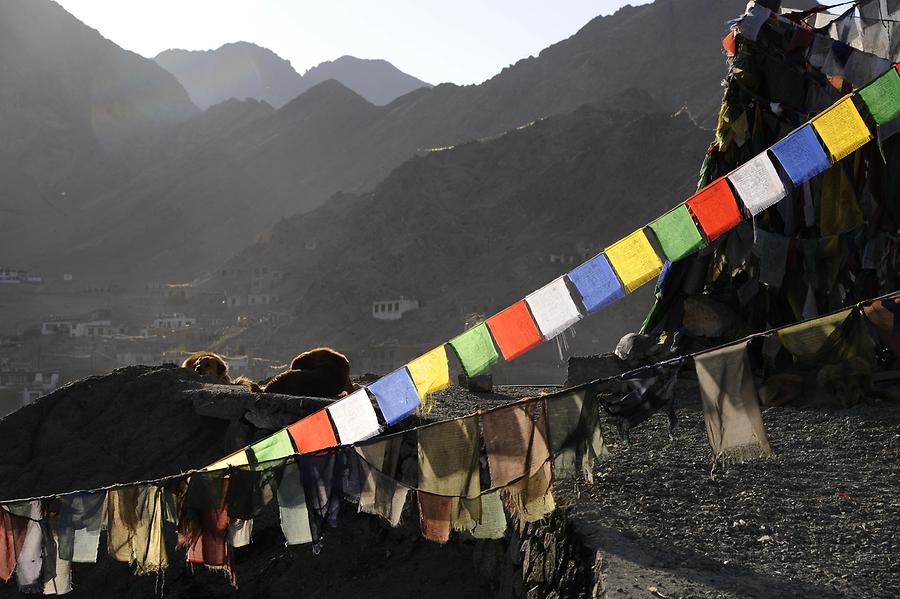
[247, 70]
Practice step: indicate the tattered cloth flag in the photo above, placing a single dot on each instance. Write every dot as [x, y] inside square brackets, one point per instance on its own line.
[677, 234]
[434, 516]
[12, 537]
[449, 458]
[354, 417]
[273, 447]
[829, 340]
[134, 527]
[573, 423]
[80, 521]
[396, 395]
[292, 510]
[56, 573]
[842, 129]
[531, 498]
[731, 405]
[839, 209]
[515, 331]
[885, 317]
[772, 250]
[492, 524]
[475, 350]
[801, 155]
[758, 184]
[596, 283]
[553, 308]
[203, 522]
[634, 260]
[313, 432]
[30, 559]
[430, 372]
[749, 24]
[515, 437]
[250, 490]
[382, 493]
[715, 208]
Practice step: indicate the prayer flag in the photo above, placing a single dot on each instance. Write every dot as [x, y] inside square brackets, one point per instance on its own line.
[312, 433]
[80, 520]
[515, 438]
[758, 184]
[596, 283]
[475, 350]
[882, 97]
[13, 529]
[514, 330]
[809, 337]
[801, 155]
[429, 372]
[753, 20]
[553, 308]
[730, 404]
[396, 395]
[842, 129]
[449, 458]
[493, 518]
[292, 507]
[238, 458]
[573, 423]
[634, 260]
[354, 417]
[273, 447]
[434, 516]
[677, 234]
[715, 208]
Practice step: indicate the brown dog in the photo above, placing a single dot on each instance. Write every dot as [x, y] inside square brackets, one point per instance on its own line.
[209, 364]
[319, 372]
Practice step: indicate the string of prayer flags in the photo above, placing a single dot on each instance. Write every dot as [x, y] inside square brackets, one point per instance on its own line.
[801, 155]
[677, 234]
[758, 184]
[515, 331]
[475, 350]
[596, 283]
[449, 458]
[292, 510]
[730, 404]
[80, 521]
[882, 97]
[842, 129]
[430, 372]
[273, 447]
[396, 395]
[634, 260]
[354, 417]
[715, 208]
[313, 432]
[553, 308]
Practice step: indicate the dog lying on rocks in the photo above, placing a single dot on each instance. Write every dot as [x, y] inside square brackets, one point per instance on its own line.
[319, 372]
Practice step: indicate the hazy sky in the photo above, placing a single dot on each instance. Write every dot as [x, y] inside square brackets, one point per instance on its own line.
[462, 41]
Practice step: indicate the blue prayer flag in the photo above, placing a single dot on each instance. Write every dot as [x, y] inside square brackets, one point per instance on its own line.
[396, 395]
[801, 155]
[597, 284]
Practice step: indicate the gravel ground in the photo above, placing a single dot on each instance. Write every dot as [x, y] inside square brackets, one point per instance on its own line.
[819, 518]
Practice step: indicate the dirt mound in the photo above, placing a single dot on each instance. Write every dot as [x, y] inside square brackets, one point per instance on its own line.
[135, 423]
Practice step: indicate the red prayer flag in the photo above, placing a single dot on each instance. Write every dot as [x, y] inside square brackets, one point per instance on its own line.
[12, 537]
[715, 208]
[729, 44]
[514, 331]
[313, 433]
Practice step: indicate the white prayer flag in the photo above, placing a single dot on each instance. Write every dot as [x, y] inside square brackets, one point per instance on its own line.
[354, 417]
[757, 184]
[753, 20]
[553, 308]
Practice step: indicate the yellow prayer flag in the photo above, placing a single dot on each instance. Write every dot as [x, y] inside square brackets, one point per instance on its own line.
[236, 459]
[634, 260]
[842, 129]
[429, 372]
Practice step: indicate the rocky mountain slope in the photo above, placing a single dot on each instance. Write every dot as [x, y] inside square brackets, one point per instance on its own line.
[330, 139]
[243, 70]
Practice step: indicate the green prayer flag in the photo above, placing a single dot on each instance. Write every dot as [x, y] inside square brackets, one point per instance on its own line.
[882, 97]
[273, 447]
[677, 234]
[475, 350]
